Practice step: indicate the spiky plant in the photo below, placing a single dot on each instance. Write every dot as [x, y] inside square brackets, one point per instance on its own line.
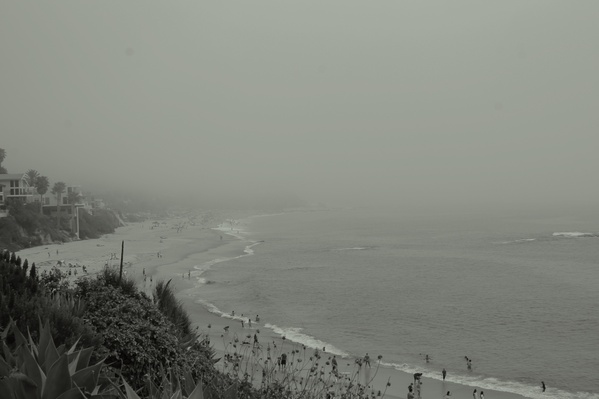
[42, 371]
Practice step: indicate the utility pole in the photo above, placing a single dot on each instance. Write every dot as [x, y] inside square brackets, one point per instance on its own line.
[122, 253]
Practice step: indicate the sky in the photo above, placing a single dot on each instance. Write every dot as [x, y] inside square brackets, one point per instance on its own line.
[357, 103]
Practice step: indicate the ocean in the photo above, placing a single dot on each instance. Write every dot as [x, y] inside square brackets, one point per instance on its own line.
[517, 294]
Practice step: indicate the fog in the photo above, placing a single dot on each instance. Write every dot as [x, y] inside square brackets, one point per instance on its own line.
[439, 103]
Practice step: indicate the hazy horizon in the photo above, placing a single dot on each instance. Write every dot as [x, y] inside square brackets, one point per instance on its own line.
[456, 104]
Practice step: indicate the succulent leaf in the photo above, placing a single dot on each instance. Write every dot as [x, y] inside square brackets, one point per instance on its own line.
[72, 350]
[130, 392]
[73, 393]
[42, 346]
[198, 392]
[19, 337]
[32, 368]
[88, 377]
[84, 356]
[58, 379]
[51, 355]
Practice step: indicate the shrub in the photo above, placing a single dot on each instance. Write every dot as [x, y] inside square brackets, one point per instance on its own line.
[171, 307]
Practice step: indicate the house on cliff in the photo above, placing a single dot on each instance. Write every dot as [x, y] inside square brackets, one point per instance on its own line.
[14, 186]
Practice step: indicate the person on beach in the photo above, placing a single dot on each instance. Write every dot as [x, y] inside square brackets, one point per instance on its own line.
[283, 360]
[367, 359]
[469, 364]
[482, 395]
[257, 319]
[474, 394]
[334, 365]
[447, 395]
[242, 324]
[427, 358]
[543, 385]
[444, 373]
[410, 393]
[249, 322]
[256, 340]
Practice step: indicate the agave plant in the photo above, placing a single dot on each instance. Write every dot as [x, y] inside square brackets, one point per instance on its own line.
[43, 371]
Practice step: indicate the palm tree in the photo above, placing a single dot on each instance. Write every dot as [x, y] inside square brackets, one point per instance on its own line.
[2, 157]
[41, 185]
[73, 198]
[58, 190]
[31, 176]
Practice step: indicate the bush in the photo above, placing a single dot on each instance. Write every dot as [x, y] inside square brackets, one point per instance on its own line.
[171, 307]
[101, 222]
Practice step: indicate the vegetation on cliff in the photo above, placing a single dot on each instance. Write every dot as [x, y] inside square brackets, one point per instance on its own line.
[25, 227]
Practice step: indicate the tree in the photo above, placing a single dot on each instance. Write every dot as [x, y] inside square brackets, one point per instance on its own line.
[73, 198]
[41, 185]
[58, 190]
[31, 177]
[2, 157]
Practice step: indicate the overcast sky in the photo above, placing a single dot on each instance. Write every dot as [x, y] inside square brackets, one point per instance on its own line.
[350, 102]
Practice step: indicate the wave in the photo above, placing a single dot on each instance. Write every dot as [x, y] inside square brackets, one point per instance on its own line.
[204, 267]
[495, 384]
[354, 248]
[574, 234]
[520, 241]
[295, 334]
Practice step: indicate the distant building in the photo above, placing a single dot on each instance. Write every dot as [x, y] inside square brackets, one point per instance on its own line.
[14, 186]
[70, 202]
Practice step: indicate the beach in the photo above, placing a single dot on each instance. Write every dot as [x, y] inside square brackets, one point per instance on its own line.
[174, 249]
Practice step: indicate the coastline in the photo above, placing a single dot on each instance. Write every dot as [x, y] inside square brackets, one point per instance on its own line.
[184, 248]
[212, 324]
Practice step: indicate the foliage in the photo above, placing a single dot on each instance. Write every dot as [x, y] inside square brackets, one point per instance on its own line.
[42, 183]
[41, 370]
[171, 307]
[2, 158]
[58, 189]
[103, 221]
[25, 227]
[31, 177]
[27, 298]
[137, 337]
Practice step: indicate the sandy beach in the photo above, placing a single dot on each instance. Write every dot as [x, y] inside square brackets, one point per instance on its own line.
[171, 249]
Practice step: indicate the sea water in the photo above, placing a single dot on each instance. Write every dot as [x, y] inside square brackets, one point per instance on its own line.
[517, 295]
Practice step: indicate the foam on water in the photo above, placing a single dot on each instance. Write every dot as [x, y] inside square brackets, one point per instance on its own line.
[574, 234]
[295, 334]
[298, 335]
[490, 383]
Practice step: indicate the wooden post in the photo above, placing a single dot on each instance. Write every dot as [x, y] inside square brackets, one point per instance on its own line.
[122, 253]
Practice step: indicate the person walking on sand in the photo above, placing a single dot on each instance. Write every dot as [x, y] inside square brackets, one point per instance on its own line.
[367, 360]
[447, 395]
[444, 373]
[474, 394]
[543, 385]
[482, 395]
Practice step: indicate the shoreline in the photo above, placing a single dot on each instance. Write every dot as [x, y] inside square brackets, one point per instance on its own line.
[212, 323]
[200, 244]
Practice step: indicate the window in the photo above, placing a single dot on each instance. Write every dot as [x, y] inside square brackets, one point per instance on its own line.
[65, 201]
